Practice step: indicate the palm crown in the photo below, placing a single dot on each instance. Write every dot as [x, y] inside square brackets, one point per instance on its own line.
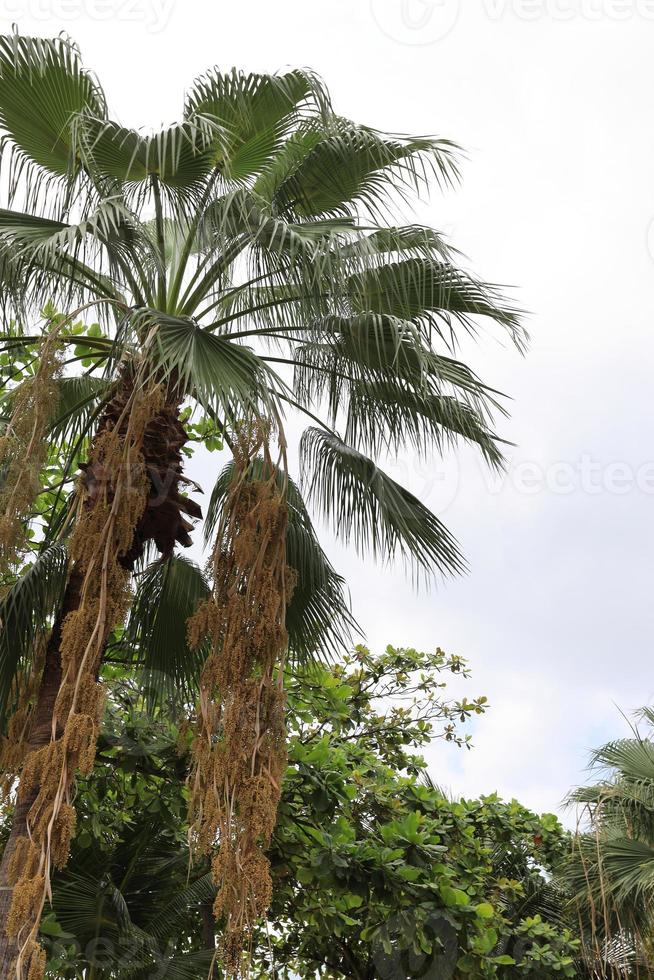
[245, 249]
[610, 870]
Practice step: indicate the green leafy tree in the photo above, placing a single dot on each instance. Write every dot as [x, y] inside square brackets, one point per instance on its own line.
[377, 873]
[383, 876]
[242, 264]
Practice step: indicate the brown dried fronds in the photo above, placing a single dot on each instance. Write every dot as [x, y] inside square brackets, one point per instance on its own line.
[14, 745]
[239, 752]
[41, 770]
[27, 686]
[202, 624]
[32, 962]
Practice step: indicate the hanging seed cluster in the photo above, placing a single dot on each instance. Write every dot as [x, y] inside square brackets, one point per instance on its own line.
[239, 748]
[110, 507]
[14, 745]
[23, 451]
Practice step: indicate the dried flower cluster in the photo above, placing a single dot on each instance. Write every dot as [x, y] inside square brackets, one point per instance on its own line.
[14, 745]
[23, 450]
[111, 503]
[239, 748]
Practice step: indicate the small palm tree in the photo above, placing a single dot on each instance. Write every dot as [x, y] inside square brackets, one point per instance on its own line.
[611, 870]
[245, 263]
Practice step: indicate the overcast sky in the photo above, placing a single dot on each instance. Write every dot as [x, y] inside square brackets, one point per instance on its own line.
[553, 102]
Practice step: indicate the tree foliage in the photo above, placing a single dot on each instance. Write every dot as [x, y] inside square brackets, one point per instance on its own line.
[378, 874]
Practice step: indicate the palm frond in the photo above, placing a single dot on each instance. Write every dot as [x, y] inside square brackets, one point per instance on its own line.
[43, 92]
[403, 240]
[167, 595]
[629, 867]
[252, 114]
[25, 612]
[633, 758]
[385, 417]
[202, 891]
[179, 156]
[433, 294]
[366, 506]
[356, 165]
[78, 399]
[225, 378]
[348, 355]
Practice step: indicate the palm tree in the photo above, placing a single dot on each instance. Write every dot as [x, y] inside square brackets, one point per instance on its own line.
[610, 872]
[244, 262]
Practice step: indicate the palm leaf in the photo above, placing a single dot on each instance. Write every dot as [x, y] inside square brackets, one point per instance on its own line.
[202, 891]
[353, 164]
[430, 292]
[167, 595]
[179, 156]
[78, 400]
[373, 348]
[629, 869]
[25, 611]
[43, 91]
[384, 416]
[252, 114]
[225, 378]
[56, 259]
[633, 758]
[368, 507]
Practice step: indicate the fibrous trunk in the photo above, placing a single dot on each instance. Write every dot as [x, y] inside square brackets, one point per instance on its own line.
[129, 496]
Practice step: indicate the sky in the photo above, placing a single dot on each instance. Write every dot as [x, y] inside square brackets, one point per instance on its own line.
[553, 102]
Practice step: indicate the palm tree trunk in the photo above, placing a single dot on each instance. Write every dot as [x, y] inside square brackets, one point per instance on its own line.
[40, 734]
[163, 523]
[208, 926]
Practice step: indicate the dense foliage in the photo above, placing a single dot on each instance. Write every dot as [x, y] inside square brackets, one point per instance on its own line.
[378, 874]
